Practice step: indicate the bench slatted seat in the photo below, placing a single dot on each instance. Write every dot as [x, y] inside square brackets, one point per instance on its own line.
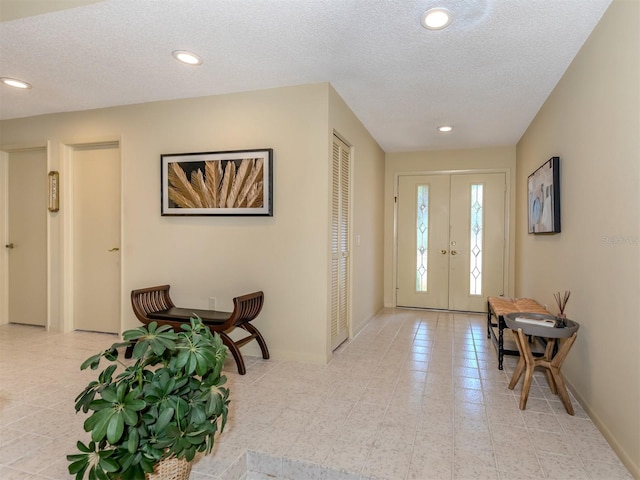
[498, 307]
[153, 304]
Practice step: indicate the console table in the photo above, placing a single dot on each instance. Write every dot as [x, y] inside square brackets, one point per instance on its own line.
[565, 336]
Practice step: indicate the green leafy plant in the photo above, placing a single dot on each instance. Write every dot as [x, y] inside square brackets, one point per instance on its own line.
[168, 400]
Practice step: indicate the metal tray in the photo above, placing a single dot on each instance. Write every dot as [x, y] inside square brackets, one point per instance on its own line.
[541, 330]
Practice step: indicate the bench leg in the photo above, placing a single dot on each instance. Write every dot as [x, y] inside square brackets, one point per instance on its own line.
[255, 333]
[235, 351]
[488, 320]
[501, 326]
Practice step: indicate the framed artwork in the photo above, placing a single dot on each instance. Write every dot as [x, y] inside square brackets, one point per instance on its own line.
[238, 182]
[544, 198]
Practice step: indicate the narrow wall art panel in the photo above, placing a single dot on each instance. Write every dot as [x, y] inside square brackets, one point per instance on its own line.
[236, 182]
[544, 198]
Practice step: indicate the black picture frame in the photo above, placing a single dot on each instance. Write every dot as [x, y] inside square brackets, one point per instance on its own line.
[227, 183]
[543, 188]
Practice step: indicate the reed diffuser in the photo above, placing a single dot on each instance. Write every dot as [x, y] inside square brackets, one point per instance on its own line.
[562, 304]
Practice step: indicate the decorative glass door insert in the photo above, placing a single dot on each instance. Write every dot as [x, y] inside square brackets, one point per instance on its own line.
[422, 237]
[476, 233]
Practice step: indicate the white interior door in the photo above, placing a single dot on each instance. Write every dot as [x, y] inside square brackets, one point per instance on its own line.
[451, 240]
[340, 242]
[27, 237]
[96, 238]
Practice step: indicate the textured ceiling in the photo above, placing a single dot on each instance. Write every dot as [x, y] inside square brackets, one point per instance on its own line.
[487, 74]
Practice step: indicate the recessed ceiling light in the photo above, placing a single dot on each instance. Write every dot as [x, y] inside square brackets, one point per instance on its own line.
[187, 57]
[445, 128]
[13, 82]
[436, 18]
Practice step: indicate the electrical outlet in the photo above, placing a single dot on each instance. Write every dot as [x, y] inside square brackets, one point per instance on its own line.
[212, 303]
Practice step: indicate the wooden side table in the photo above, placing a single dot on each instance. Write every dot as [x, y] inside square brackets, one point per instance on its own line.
[552, 363]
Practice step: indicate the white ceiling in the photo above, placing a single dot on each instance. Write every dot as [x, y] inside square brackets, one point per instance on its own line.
[487, 74]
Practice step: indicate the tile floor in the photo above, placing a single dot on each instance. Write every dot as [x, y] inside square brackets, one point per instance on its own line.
[416, 395]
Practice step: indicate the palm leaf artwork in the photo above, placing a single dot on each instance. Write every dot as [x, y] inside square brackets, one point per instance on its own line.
[239, 184]
[251, 194]
[181, 191]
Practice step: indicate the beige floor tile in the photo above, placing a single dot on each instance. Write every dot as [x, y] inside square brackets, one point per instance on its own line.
[561, 467]
[416, 395]
[607, 471]
[542, 421]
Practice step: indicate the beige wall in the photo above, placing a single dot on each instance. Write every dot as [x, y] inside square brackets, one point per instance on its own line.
[485, 159]
[591, 121]
[285, 255]
[367, 200]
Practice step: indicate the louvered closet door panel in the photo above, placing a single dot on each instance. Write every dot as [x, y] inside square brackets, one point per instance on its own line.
[344, 240]
[335, 243]
[340, 242]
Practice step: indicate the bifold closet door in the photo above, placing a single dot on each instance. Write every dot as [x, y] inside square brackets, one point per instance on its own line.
[341, 171]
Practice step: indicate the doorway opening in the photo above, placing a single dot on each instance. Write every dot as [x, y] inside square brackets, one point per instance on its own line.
[451, 240]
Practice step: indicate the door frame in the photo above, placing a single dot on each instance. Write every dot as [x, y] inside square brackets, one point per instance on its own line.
[507, 219]
[67, 195]
[5, 151]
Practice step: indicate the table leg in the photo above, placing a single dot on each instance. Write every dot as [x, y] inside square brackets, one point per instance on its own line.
[517, 373]
[555, 366]
[548, 355]
[526, 364]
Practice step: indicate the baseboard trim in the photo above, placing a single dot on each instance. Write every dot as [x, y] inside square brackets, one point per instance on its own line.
[624, 457]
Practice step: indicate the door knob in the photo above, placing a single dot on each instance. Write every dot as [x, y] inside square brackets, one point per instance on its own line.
[444, 252]
[114, 249]
[9, 245]
[453, 252]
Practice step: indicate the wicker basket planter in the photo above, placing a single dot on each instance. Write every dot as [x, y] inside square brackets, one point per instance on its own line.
[171, 468]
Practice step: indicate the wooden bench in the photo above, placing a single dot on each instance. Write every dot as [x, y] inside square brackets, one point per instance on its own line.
[153, 304]
[498, 307]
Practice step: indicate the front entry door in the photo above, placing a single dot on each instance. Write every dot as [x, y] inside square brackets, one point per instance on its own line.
[451, 240]
[423, 239]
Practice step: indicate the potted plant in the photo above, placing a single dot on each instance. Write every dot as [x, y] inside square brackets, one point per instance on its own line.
[166, 403]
